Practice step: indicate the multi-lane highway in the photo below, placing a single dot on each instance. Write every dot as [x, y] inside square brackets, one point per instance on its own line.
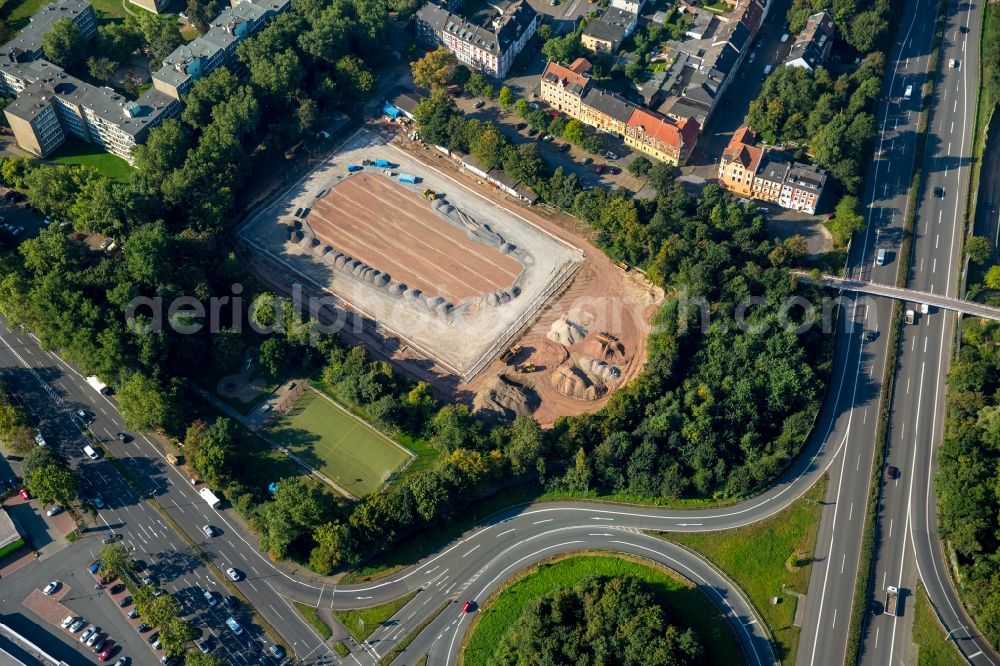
[909, 547]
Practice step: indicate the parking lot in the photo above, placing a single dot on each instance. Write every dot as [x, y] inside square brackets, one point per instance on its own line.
[558, 152]
[19, 221]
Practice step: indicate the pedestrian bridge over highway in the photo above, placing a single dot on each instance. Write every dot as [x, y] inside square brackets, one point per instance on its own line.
[910, 295]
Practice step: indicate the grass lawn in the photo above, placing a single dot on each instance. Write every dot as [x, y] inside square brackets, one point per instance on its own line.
[716, 7]
[78, 153]
[932, 648]
[338, 444]
[313, 618]
[758, 558]
[683, 603]
[361, 623]
[16, 14]
[109, 9]
[426, 454]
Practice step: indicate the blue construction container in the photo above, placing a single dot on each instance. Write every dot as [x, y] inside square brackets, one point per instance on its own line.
[383, 164]
[353, 167]
[407, 178]
[391, 110]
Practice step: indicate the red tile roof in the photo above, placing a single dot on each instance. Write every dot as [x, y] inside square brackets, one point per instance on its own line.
[575, 74]
[662, 129]
[742, 150]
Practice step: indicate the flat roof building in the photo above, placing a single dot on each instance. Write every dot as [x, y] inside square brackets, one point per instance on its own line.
[52, 105]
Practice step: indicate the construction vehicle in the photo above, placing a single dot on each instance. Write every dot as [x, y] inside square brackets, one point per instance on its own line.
[606, 338]
[910, 316]
[622, 265]
[510, 353]
[525, 368]
[891, 596]
[430, 195]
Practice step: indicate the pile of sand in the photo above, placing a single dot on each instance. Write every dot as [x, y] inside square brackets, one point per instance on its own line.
[610, 352]
[599, 369]
[573, 382]
[504, 399]
[566, 332]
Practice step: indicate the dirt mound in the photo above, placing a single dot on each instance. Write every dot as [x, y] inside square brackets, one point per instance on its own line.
[573, 382]
[502, 398]
[599, 369]
[613, 352]
[566, 332]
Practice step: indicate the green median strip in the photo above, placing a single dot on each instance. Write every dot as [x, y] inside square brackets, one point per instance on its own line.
[400, 647]
[363, 621]
[341, 649]
[314, 620]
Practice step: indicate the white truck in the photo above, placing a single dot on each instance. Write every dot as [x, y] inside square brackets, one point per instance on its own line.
[210, 497]
[891, 596]
[98, 385]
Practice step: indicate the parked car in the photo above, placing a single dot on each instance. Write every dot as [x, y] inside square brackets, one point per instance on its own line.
[520, 126]
[98, 502]
[147, 580]
[533, 106]
[610, 155]
[153, 637]
[110, 578]
[125, 602]
[76, 626]
[210, 598]
[123, 661]
[564, 147]
[68, 620]
[83, 416]
[85, 636]
[25, 495]
[54, 510]
[546, 138]
[132, 614]
[106, 652]
[99, 644]
[203, 645]
[232, 603]
[587, 161]
[480, 104]
[533, 131]
[277, 652]
[142, 628]
[118, 589]
[599, 168]
[51, 588]
[96, 636]
[234, 625]
[111, 538]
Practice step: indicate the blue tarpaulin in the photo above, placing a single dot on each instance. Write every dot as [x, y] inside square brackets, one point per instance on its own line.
[391, 111]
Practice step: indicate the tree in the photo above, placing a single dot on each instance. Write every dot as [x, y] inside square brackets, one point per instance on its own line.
[176, 634]
[279, 75]
[273, 355]
[210, 449]
[478, 86]
[116, 560]
[354, 76]
[980, 249]
[201, 13]
[487, 148]
[147, 254]
[334, 546]
[206, 94]
[165, 149]
[640, 166]
[506, 98]
[143, 403]
[992, 278]
[101, 68]
[160, 32]
[525, 444]
[64, 44]
[847, 219]
[197, 658]
[573, 132]
[435, 69]
[593, 144]
[52, 484]
[15, 433]
[117, 41]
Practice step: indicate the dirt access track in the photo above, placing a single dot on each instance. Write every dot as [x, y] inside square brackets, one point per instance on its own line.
[552, 272]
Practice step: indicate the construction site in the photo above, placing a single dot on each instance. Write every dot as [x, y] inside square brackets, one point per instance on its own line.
[487, 301]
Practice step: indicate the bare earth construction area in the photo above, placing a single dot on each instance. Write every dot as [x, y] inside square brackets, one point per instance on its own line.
[515, 314]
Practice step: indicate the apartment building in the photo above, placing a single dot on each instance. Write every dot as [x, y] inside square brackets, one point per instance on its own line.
[606, 33]
[568, 90]
[52, 105]
[661, 138]
[632, 6]
[563, 87]
[813, 45]
[769, 175]
[489, 46]
[202, 55]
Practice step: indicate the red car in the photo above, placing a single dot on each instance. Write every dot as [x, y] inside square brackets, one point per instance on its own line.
[23, 492]
[467, 607]
[106, 653]
[599, 168]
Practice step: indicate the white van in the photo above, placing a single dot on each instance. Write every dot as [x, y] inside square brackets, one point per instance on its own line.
[880, 257]
[91, 453]
[908, 92]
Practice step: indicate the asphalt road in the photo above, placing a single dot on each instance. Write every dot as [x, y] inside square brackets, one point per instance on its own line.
[54, 390]
[910, 547]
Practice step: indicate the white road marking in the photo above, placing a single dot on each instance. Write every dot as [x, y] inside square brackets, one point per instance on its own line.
[471, 550]
[850, 515]
[498, 536]
[539, 522]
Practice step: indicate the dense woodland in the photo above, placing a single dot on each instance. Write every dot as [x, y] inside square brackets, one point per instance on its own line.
[611, 621]
[968, 480]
